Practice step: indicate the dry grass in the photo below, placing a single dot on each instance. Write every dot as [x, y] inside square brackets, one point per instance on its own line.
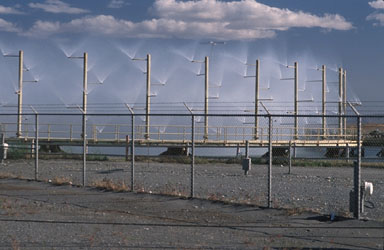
[15, 244]
[298, 210]
[61, 181]
[11, 176]
[7, 176]
[109, 185]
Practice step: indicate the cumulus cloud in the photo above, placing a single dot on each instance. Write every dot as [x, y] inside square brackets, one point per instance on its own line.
[247, 14]
[9, 10]
[57, 6]
[378, 4]
[378, 18]
[236, 20]
[8, 26]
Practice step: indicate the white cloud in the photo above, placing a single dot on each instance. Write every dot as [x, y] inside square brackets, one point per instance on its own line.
[57, 6]
[42, 29]
[8, 26]
[9, 10]
[378, 4]
[115, 4]
[246, 14]
[236, 20]
[378, 17]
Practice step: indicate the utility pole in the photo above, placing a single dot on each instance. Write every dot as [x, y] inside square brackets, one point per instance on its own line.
[148, 94]
[206, 84]
[345, 100]
[257, 94]
[20, 92]
[340, 101]
[296, 96]
[20, 95]
[296, 89]
[206, 93]
[148, 97]
[85, 82]
[324, 99]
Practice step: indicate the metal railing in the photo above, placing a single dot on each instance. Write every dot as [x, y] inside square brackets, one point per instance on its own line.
[117, 132]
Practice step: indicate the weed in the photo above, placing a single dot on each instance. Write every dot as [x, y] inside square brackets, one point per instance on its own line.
[7, 176]
[109, 185]
[15, 244]
[61, 181]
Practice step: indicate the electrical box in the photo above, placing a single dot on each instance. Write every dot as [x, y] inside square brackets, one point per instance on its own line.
[246, 163]
[3, 151]
[365, 190]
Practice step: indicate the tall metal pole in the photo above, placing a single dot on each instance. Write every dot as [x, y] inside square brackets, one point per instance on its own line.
[148, 98]
[132, 152]
[85, 82]
[20, 95]
[340, 101]
[193, 158]
[270, 162]
[84, 123]
[257, 93]
[357, 172]
[324, 99]
[206, 97]
[345, 100]
[296, 98]
[36, 147]
[84, 149]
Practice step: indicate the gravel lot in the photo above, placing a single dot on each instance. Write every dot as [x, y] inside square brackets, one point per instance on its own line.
[38, 215]
[319, 189]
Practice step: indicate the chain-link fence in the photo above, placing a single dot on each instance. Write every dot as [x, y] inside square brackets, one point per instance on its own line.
[304, 162]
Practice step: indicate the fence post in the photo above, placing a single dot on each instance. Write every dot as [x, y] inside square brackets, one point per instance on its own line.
[36, 147]
[356, 172]
[70, 132]
[132, 152]
[270, 162]
[290, 157]
[126, 147]
[84, 149]
[193, 158]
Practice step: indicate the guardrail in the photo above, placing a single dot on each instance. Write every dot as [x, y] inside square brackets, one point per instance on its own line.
[118, 132]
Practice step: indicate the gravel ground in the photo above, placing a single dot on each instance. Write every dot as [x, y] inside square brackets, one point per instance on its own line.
[319, 189]
[38, 215]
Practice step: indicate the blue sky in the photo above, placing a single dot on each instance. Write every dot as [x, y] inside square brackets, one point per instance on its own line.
[342, 33]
